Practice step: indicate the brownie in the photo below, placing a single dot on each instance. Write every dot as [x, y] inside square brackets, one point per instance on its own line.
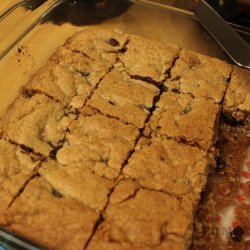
[199, 76]
[186, 119]
[78, 182]
[98, 44]
[148, 60]
[69, 77]
[237, 98]
[109, 145]
[45, 216]
[122, 97]
[36, 122]
[16, 168]
[137, 218]
[99, 143]
[172, 167]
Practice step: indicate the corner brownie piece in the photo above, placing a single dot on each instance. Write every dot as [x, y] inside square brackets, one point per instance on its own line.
[199, 76]
[98, 44]
[45, 216]
[237, 98]
[138, 218]
[122, 97]
[36, 122]
[68, 77]
[16, 168]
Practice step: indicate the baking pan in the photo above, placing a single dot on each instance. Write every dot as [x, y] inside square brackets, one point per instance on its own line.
[30, 31]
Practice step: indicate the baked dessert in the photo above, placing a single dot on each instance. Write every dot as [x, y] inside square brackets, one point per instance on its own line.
[223, 215]
[110, 152]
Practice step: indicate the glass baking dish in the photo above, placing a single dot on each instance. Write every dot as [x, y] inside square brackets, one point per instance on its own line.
[31, 30]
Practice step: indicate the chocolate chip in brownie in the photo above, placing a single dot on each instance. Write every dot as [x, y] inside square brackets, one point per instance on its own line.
[186, 110]
[176, 91]
[177, 78]
[112, 103]
[237, 234]
[113, 42]
[56, 193]
[220, 164]
[164, 88]
[83, 73]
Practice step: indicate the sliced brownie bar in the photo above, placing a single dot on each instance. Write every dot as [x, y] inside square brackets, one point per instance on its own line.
[122, 97]
[36, 122]
[98, 143]
[69, 77]
[16, 168]
[137, 218]
[148, 60]
[237, 99]
[98, 44]
[78, 181]
[45, 216]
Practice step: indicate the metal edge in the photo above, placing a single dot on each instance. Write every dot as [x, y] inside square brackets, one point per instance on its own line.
[5, 13]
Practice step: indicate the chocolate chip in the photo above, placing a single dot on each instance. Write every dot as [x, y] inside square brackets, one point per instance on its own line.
[176, 91]
[220, 164]
[162, 158]
[237, 234]
[83, 73]
[186, 110]
[123, 50]
[113, 42]
[177, 78]
[19, 50]
[112, 103]
[56, 193]
[164, 88]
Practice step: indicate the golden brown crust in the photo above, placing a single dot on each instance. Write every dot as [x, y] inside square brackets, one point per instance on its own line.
[148, 59]
[37, 122]
[45, 216]
[185, 119]
[144, 219]
[16, 168]
[106, 179]
[237, 98]
[124, 98]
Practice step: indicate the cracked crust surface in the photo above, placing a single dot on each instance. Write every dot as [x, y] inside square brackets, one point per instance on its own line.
[78, 182]
[68, 77]
[147, 195]
[98, 143]
[45, 216]
[200, 76]
[146, 58]
[173, 168]
[36, 122]
[124, 98]
[137, 218]
[185, 119]
[98, 44]
[237, 98]
[16, 168]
